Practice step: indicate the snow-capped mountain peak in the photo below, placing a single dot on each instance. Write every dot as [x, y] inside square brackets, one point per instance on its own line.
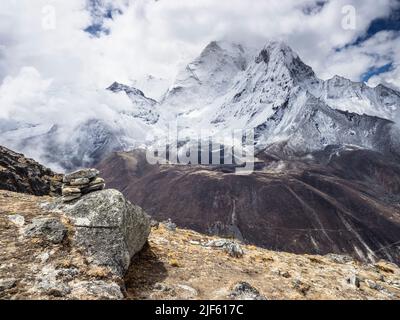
[135, 94]
[264, 86]
[277, 93]
[278, 54]
[231, 86]
[346, 95]
[207, 77]
[142, 106]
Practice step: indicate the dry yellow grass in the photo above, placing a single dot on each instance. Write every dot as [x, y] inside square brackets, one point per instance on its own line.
[277, 275]
[178, 260]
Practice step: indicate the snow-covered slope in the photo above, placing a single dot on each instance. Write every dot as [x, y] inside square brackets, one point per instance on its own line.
[343, 94]
[263, 87]
[154, 87]
[306, 124]
[247, 96]
[280, 96]
[143, 107]
[207, 78]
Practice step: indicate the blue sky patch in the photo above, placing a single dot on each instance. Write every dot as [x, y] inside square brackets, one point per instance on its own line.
[388, 23]
[100, 12]
[373, 71]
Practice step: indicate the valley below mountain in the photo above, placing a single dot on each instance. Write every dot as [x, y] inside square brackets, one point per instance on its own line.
[346, 202]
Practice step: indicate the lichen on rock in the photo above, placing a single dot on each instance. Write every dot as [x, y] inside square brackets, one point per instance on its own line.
[108, 228]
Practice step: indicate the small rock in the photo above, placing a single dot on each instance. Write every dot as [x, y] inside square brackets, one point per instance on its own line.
[301, 286]
[49, 228]
[190, 292]
[71, 197]
[162, 287]
[234, 250]
[53, 287]
[54, 282]
[338, 258]
[97, 289]
[17, 219]
[170, 225]
[244, 291]
[94, 187]
[67, 274]
[43, 257]
[154, 223]
[354, 280]
[85, 173]
[96, 181]
[66, 191]
[6, 284]
[219, 243]
[61, 290]
[79, 182]
[373, 285]
[376, 286]
[230, 247]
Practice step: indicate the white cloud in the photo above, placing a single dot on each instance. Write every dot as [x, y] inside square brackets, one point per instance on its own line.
[158, 36]
[391, 79]
[58, 75]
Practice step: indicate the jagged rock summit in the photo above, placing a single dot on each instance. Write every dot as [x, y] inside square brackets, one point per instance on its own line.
[274, 92]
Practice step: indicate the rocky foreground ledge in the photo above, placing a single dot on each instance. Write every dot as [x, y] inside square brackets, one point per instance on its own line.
[53, 250]
[75, 249]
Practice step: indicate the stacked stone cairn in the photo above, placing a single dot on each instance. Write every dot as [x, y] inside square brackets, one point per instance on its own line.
[81, 182]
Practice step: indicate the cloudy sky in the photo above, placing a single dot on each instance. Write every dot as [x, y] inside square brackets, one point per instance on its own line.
[55, 54]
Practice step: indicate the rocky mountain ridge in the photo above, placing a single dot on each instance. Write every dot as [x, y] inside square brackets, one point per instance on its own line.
[21, 174]
[274, 93]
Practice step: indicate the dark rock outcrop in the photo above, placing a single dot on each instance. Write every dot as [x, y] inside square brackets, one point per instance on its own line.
[20, 174]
